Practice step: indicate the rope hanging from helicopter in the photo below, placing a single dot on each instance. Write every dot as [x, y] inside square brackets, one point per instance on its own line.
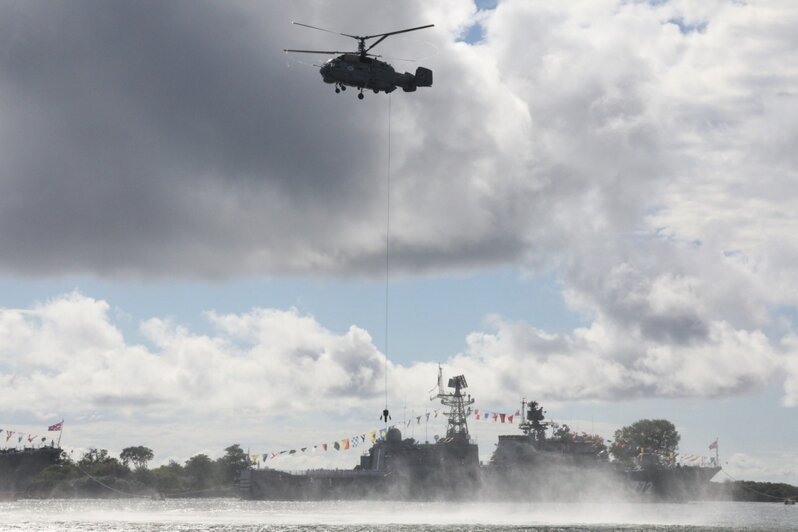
[385, 413]
[361, 70]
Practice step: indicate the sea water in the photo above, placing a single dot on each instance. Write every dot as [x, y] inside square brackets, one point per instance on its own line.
[230, 514]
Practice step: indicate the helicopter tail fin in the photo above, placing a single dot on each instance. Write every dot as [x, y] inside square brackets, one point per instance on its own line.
[423, 77]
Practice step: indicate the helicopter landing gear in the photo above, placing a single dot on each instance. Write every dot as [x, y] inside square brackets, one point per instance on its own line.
[360, 95]
[337, 90]
[340, 87]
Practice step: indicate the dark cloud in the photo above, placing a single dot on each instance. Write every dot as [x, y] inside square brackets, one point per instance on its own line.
[143, 137]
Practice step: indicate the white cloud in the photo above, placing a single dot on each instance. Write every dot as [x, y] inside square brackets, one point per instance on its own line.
[769, 467]
[268, 368]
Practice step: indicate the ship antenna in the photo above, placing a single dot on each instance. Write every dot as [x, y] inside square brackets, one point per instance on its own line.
[457, 428]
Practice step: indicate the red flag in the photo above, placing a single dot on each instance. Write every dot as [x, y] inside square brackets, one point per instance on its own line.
[324, 446]
[517, 413]
[495, 415]
[714, 444]
[476, 413]
[57, 427]
[30, 438]
[502, 416]
[510, 418]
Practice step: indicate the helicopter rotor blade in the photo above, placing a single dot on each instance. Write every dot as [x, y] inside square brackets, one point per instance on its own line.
[383, 36]
[328, 31]
[325, 52]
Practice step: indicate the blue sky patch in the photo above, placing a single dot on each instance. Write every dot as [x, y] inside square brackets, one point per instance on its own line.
[686, 27]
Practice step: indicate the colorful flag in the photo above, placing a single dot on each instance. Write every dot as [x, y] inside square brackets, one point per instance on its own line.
[323, 446]
[345, 444]
[303, 449]
[57, 427]
[510, 418]
[436, 414]
[427, 416]
[517, 413]
[355, 441]
[714, 444]
[9, 433]
[337, 446]
[495, 416]
[373, 436]
[418, 420]
[255, 458]
[383, 432]
[476, 413]
[502, 416]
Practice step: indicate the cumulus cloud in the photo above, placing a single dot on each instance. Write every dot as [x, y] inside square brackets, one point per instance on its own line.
[68, 357]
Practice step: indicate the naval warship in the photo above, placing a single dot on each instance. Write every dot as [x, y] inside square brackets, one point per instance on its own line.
[533, 465]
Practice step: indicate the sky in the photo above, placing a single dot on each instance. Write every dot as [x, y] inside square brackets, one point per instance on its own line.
[593, 206]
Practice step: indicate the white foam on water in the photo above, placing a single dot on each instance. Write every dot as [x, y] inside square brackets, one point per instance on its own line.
[204, 513]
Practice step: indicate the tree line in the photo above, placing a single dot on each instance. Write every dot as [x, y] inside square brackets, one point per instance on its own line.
[129, 474]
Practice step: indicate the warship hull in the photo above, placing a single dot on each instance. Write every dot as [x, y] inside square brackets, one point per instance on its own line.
[394, 469]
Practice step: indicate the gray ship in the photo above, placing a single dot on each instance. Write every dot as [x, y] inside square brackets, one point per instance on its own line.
[533, 465]
[394, 468]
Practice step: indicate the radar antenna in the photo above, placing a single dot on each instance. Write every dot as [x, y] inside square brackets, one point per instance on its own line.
[457, 428]
[534, 423]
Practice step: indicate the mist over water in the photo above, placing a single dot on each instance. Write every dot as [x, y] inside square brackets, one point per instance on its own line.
[230, 514]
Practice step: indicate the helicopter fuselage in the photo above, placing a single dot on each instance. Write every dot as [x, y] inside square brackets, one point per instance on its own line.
[362, 73]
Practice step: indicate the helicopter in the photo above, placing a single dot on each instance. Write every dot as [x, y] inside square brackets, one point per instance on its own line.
[363, 70]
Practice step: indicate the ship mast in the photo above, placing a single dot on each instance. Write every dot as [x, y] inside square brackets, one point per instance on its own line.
[457, 428]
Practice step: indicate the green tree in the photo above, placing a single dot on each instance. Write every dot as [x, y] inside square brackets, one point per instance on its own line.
[169, 477]
[657, 435]
[232, 463]
[563, 433]
[138, 455]
[200, 471]
[97, 462]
